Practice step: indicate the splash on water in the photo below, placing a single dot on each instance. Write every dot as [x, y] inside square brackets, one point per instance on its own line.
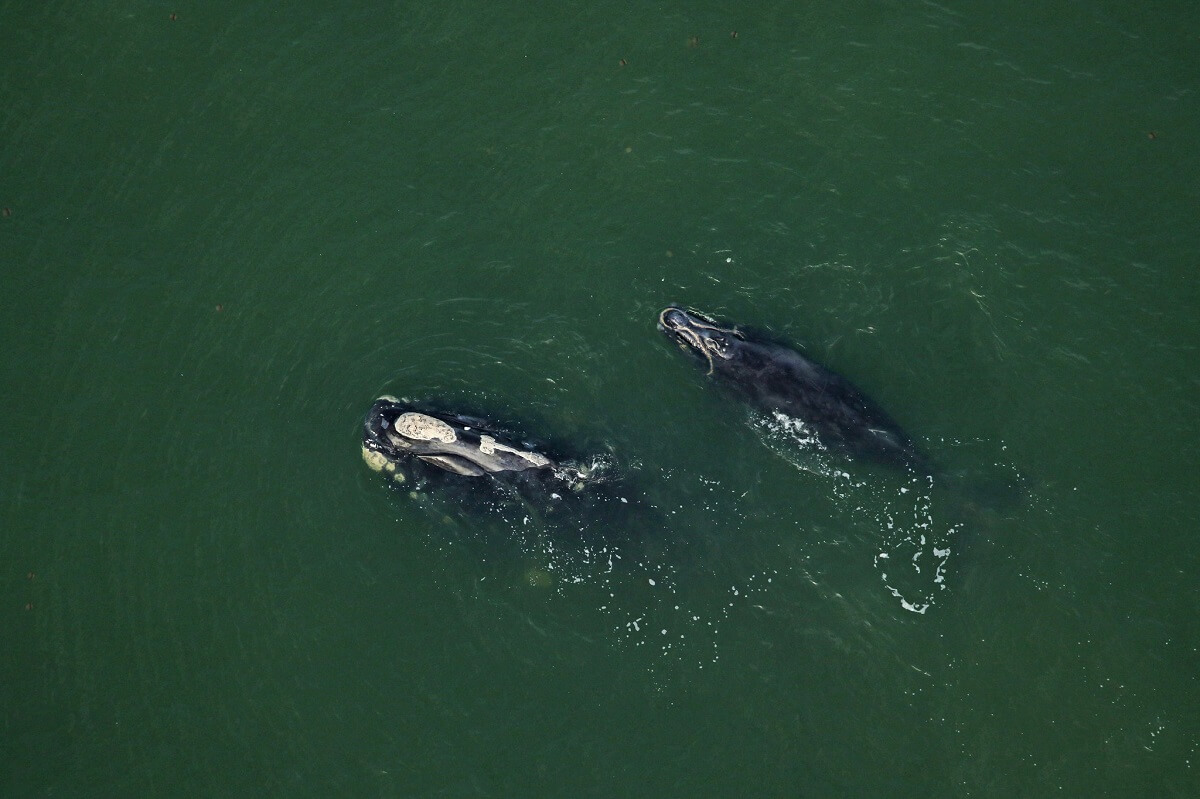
[915, 546]
[913, 543]
[614, 552]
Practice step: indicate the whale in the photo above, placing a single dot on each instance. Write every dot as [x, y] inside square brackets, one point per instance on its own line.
[776, 379]
[403, 440]
[475, 473]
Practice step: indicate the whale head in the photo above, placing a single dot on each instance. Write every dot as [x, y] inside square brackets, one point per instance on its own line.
[698, 334]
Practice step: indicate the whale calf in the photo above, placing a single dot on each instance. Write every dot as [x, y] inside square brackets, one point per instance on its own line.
[777, 379]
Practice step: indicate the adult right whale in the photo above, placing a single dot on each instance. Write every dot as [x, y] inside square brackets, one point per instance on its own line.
[777, 379]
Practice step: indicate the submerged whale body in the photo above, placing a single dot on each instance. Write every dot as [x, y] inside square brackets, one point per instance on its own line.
[776, 379]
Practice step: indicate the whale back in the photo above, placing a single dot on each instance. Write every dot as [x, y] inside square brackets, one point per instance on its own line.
[777, 379]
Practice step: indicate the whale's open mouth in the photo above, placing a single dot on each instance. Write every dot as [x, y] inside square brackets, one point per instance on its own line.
[695, 332]
[395, 432]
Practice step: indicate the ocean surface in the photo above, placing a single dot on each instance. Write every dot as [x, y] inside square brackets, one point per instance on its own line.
[228, 227]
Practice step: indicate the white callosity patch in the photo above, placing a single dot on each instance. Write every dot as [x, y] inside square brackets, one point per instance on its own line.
[489, 446]
[377, 461]
[420, 427]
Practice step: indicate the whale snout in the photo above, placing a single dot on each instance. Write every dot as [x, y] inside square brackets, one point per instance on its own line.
[673, 318]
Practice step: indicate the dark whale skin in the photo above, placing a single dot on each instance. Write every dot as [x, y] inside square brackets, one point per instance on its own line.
[777, 379]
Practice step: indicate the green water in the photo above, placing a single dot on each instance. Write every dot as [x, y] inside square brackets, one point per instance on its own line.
[227, 233]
